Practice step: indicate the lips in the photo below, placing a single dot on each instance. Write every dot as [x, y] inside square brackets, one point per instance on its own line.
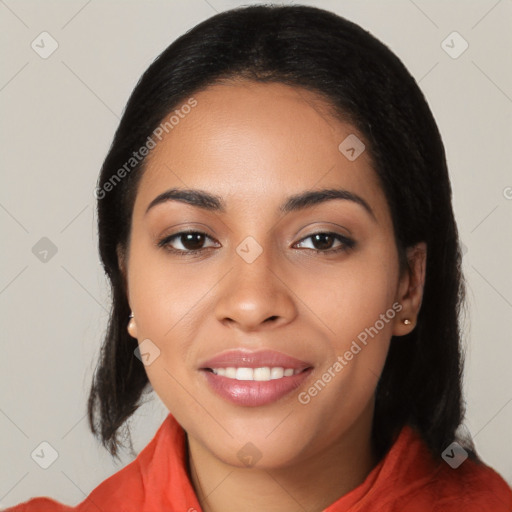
[246, 359]
[254, 378]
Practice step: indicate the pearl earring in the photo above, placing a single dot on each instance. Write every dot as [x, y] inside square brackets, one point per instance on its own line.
[406, 321]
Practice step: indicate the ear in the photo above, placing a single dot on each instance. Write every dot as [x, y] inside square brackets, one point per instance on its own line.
[132, 328]
[410, 288]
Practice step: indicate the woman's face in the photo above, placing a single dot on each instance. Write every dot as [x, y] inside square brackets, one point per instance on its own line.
[296, 300]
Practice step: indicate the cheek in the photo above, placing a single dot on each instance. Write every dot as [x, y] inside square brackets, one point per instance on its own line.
[351, 296]
[164, 302]
[354, 303]
[165, 296]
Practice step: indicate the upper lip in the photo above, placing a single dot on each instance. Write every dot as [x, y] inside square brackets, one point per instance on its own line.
[259, 359]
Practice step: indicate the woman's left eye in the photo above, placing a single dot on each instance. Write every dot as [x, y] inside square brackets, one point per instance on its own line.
[323, 241]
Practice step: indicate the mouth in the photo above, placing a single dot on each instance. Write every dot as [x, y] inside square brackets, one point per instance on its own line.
[253, 379]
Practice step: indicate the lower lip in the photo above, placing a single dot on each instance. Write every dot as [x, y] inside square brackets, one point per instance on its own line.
[251, 393]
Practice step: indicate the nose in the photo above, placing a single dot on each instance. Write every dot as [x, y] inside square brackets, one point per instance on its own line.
[254, 297]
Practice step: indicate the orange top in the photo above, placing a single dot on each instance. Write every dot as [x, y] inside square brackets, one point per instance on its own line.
[407, 478]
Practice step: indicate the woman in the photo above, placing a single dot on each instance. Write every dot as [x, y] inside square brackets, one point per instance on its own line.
[275, 219]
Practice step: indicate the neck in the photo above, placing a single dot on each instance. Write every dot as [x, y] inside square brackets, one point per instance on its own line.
[311, 483]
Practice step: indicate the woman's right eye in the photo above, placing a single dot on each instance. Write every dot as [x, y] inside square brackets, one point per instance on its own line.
[191, 242]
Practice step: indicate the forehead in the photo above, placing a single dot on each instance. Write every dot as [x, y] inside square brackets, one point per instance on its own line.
[259, 139]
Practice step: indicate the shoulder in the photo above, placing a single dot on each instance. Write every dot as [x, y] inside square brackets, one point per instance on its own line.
[41, 504]
[478, 488]
[472, 486]
[124, 487]
[469, 486]
[137, 485]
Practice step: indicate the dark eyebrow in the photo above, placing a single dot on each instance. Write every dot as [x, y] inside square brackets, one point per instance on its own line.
[198, 198]
[215, 203]
[314, 197]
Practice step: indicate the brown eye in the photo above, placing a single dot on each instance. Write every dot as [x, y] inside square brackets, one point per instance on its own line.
[323, 241]
[326, 242]
[192, 241]
[187, 242]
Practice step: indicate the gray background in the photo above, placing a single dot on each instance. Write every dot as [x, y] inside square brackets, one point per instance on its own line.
[58, 118]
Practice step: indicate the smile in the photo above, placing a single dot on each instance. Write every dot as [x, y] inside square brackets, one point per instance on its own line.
[254, 379]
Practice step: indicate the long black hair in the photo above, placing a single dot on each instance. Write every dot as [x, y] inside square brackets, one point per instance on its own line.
[364, 83]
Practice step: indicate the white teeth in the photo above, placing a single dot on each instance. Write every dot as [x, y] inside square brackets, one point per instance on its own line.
[277, 373]
[244, 374]
[262, 374]
[231, 373]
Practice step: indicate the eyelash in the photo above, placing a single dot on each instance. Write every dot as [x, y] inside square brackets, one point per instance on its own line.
[347, 243]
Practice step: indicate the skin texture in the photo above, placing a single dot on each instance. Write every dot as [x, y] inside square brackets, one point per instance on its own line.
[254, 145]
